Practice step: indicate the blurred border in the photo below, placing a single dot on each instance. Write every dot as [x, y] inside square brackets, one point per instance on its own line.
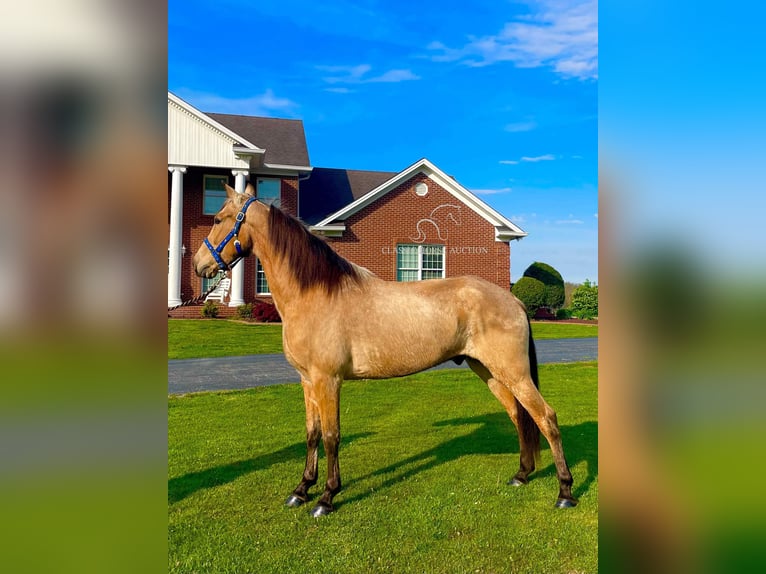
[83, 225]
[682, 367]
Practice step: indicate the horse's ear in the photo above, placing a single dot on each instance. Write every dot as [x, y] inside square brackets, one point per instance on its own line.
[250, 190]
[231, 193]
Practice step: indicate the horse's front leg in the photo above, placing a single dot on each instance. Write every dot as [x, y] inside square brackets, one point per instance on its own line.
[313, 434]
[327, 392]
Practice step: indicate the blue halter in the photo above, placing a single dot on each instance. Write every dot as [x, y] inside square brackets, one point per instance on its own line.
[216, 251]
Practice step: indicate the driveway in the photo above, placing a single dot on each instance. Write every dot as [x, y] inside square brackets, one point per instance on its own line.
[229, 373]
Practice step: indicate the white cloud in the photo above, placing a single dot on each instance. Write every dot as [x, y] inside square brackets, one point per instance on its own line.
[492, 191]
[339, 90]
[546, 157]
[360, 75]
[569, 221]
[508, 161]
[263, 105]
[395, 76]
[559, 34]
[521, 126]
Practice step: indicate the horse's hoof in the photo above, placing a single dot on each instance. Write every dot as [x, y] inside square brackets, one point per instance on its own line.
[294, 502]
[566, 503]
[321, 510]
[517, 482]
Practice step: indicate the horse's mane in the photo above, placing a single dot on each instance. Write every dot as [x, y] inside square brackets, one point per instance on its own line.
[311, 261]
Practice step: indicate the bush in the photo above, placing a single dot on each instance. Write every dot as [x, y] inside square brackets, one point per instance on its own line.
[585, 301]
[563, 314]
[531, 292]
[553, 282]
[266, 313]
[245, 311]
[209, 310]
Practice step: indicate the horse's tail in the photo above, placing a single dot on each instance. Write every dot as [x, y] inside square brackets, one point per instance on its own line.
[527, 427]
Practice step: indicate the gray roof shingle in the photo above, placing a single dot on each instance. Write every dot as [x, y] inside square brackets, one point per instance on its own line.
[284, 140]
[327, 190]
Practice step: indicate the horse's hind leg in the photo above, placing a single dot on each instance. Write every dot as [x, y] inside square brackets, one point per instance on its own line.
[544, 416]
[313, 434]
[527, 451]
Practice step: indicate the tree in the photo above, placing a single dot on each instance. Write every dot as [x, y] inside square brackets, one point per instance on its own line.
[553, 282]
[531, 292]
[585, 301]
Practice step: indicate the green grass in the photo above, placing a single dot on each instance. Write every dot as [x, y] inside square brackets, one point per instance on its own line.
[563, 330]
[424, 461]
[195, 338]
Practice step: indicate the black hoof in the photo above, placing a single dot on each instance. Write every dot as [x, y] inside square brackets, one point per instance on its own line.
[517, 482]
[294, 502]
[321, 510]
[566, 503]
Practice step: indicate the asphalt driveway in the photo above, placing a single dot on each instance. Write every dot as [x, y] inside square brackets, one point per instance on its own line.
[229, 373]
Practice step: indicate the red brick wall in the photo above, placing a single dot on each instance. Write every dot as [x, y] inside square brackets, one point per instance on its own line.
[373, 233]
[289, 199]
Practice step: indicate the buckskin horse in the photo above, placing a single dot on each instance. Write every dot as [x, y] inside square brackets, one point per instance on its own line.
[340, 321]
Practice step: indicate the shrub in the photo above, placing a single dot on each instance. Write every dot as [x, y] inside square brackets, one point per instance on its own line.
[552, 280]
[563, 314]
[531, 291]
[209, 310]
[585, 301]
[245, 311]
[266, 313]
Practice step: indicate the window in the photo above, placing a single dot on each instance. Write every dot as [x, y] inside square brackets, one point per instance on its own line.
[267, 190]
[207, 283]
[416, 262]
[261, 284]
[213, 194]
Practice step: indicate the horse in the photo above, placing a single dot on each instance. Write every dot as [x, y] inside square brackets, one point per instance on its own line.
[341, 322]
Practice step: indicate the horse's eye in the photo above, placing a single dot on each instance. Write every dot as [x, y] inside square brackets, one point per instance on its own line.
[217, 220]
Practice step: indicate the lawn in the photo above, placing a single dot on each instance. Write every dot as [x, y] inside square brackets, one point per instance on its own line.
[424, 461]
[195, 338]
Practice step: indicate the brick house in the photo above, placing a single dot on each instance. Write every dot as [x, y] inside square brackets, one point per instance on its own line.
[416, 224]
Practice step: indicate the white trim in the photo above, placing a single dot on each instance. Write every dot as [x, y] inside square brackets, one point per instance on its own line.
[329, 230]
[505, 229]
[305, 168]
[248, 146]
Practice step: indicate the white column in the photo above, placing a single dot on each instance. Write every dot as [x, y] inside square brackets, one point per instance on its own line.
[176, 225]
[238, 273]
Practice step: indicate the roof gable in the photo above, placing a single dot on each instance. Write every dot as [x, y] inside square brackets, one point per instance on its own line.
[284, 140]
[194, 138]
[505, 230]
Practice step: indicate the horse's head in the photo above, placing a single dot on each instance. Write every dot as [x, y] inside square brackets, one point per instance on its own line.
[228, 240]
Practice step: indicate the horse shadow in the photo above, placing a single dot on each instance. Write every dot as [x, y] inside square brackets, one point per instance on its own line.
[185, 485]
[495, 434]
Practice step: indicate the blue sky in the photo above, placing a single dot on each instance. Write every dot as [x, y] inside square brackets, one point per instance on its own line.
[501, 95]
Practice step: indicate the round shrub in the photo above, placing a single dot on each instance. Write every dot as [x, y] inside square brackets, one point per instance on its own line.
[554, 283]
[585, 301]
[245, 311]
[209, 310]
[563, 314]
[266, 313]
[531, 292]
